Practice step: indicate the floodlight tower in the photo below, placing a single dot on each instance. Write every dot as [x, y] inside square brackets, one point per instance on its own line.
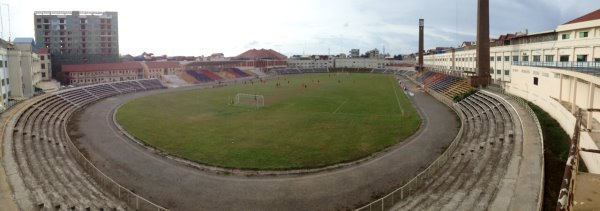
[483, 77]
[421, 46]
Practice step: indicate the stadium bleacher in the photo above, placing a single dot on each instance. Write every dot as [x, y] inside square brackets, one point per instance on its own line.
[446, 85]
[43, 155]
[473, 175]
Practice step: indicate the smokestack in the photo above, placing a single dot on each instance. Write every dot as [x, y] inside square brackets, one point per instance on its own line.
[421, 41]
[483, 77]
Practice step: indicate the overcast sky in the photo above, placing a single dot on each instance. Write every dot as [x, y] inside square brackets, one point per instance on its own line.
[200, 27]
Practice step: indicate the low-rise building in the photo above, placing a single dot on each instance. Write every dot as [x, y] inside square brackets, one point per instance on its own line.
[360, 63]
[158, 69]
[4, 75]
[24, 68]
[84, 74]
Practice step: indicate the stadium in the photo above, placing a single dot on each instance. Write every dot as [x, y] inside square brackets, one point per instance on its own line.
[254, 133]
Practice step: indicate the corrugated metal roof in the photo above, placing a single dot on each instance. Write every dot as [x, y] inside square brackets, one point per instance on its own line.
[23, 40]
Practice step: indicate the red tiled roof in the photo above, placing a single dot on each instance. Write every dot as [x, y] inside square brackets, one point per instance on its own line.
[101, 67]
[588, 17]
[168, 64]
[43, 51]
[261, 54]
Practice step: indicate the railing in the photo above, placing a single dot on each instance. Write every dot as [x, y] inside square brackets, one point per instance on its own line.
[524, 103]
[132, 199]
[389, 200]
[565, 196]
[574, 66]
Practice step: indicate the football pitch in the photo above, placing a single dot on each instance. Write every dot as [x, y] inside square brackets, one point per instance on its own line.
[308, 121]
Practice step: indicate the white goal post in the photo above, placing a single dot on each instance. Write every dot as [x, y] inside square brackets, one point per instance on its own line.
[250, 100]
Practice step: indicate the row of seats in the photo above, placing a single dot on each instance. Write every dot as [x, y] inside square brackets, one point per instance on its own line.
[237, 72]
[471, 177]
[198, 75]
[286, 71]
[389, 71]
[446, 85]
[49, 171]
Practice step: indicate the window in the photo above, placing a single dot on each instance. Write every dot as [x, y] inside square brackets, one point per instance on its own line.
[499, 58]
[549, 58]
[506, 58]
[566, 36]
[582, 58]
[536, 58]
[43, 75]
[515, 58]
[583, 34]
[525, 58]
[3, 82]
[42, 58]
[507, 72]
[43, 66]
[498, 72]
[491, 58]
[596, 59]
[535, 81]
[1, 64]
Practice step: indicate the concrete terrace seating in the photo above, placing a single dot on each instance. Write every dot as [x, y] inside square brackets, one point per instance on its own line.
[211, 75]
[286, 71]
[201, 78]
[446, 85]
[472, 177]
[240, 72]
[50, 173]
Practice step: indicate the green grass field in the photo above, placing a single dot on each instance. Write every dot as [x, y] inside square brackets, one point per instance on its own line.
[338, 118]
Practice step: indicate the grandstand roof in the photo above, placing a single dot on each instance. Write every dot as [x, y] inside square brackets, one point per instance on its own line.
[254, 54]
[101, 67]
[587, 17]
[168, 64]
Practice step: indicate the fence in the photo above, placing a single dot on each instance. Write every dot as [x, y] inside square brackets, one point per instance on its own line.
[132, 199]
[525, 105]
[389, 200]
[584, 67]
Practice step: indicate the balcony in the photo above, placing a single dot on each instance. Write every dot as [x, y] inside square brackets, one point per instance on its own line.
[592, 68]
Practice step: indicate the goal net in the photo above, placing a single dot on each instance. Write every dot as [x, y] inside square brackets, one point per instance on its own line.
[249, 100]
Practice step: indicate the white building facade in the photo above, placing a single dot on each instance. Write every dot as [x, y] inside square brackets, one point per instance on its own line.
[558, 71]
[24, 70]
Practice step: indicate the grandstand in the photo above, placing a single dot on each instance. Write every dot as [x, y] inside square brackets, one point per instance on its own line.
[447, 85]
[49, 166]
[472, 178]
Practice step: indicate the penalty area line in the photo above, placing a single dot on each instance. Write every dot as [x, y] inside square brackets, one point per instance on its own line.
[340, 106]
[397, 99]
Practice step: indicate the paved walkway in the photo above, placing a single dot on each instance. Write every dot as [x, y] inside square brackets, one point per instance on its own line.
[6, 195]
[180, 187]
[587, 192]
[521, 188]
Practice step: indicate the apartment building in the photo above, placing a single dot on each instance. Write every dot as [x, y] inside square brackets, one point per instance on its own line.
[78, 37]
